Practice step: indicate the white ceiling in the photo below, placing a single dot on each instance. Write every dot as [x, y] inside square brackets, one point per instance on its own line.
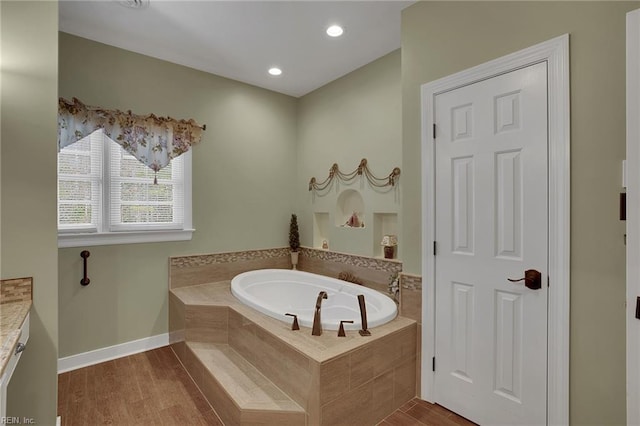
[241, 40]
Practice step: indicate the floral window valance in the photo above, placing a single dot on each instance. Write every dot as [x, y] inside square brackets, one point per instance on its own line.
[154, 141]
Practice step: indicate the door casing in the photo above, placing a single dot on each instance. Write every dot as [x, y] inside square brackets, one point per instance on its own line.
[556, 53]
[633, 215]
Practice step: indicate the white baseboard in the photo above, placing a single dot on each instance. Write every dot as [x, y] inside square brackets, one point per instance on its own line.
[97, 356]
[58, 421]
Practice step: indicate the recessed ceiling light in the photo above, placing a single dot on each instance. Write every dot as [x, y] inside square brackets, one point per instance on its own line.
[275, 71]
[335, 31]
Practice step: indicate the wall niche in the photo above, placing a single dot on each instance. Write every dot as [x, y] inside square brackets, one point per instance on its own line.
[377, 214]
[350, 204]
[353, 211]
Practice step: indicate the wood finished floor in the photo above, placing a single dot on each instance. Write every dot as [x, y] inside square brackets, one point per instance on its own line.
[148, 388]
[420, 413]
[153, 388]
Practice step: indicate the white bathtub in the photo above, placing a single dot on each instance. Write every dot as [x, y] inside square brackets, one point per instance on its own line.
[275, 292]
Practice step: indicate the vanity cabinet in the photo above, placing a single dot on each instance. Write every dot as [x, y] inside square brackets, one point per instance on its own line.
[11, 365]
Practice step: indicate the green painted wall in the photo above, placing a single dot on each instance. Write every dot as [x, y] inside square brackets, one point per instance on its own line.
[354, 117]
[440, 38]
[28, 228]
[243, 181]
[364, 114]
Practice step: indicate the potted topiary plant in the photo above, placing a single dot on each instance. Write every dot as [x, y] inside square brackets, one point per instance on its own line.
[294, 240]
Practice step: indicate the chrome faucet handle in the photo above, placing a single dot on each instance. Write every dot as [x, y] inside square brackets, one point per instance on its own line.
[341, 332]
[295, 325]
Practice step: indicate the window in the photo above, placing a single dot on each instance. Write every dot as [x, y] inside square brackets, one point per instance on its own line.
[106, 196]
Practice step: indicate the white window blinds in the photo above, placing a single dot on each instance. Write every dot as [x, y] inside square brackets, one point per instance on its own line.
[103, 189]
[80, 177]
[137, 203]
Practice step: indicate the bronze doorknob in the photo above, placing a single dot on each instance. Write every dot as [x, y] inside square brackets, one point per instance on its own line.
[532, 279]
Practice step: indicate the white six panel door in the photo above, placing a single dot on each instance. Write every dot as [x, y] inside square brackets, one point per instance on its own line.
[492, 224]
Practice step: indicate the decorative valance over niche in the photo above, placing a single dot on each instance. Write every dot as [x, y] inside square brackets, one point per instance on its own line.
[154, 141]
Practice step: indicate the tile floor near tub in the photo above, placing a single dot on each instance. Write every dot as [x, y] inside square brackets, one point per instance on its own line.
[153, 388]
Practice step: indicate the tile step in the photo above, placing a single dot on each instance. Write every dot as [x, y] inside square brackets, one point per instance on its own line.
[249, 390]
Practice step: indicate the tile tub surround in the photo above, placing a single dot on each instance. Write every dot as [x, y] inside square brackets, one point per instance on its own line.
[374, 272]
[15, 303]
[411, 307]
[411, 297]
[206, 268]
[332, 379]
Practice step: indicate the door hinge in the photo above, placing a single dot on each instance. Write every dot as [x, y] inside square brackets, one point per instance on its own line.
[433, 363]
[434, 130]
[435, 248]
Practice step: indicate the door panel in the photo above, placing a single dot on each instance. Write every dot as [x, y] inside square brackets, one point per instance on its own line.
[508, 332]
[463, 205]
[509, 205]
[462, 330]
[492, 224]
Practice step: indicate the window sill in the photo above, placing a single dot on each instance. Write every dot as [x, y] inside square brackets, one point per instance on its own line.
[111, 238]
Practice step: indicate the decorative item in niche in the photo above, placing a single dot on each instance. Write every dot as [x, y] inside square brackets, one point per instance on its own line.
[362, 169]
[354, 221]
[154, 141]
[389, 242]
[294, 240]
[349, 209]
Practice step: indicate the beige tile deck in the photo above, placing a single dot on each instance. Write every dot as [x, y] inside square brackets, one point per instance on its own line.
[241, 380]
[319, 348]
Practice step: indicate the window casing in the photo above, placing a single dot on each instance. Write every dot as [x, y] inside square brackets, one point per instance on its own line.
[106, 196]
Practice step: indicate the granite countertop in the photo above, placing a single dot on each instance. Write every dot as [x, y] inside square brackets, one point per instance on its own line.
[12, 316]
[15, 303]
